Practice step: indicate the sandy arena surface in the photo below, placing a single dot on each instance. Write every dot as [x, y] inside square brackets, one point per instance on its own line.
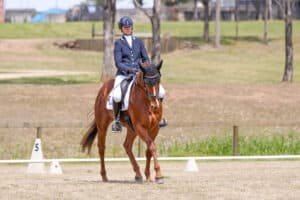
[215, 180]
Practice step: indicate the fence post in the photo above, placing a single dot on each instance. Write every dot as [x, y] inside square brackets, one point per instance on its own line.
[93, 30]
[235, 141]
[38, 132]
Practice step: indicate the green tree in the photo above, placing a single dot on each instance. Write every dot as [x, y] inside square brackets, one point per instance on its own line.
[108, 70]
[154, 17]
[287, 8]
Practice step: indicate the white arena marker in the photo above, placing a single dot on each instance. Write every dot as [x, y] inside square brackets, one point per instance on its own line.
[191, 166]
[55, 167]
[37, 154]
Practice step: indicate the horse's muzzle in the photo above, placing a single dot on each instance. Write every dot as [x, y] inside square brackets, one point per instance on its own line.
[155, 105]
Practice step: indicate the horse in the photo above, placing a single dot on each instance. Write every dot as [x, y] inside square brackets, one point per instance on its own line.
[141, 119]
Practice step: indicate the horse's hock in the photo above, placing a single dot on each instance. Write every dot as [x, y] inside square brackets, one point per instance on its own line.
[168, 43]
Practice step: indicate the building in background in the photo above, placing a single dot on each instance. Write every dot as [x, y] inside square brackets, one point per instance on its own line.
[86, 11]
[56, 15]
[19, 15]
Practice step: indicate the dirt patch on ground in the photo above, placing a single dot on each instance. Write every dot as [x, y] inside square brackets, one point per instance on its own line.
[190, 105]
[215, 180]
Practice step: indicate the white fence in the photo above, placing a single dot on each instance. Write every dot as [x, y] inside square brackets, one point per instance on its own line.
[203, 158]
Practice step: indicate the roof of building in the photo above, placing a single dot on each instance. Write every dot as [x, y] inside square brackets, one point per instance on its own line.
[41, 16]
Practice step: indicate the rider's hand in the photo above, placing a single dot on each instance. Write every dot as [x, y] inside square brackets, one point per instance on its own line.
[132, 70]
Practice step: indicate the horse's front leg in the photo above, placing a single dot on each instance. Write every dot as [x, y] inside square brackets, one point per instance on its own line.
[130, 137]
[151, 151]
[148, 161]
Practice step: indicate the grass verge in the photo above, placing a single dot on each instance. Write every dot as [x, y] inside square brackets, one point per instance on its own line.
[55, 80]
[248, 145]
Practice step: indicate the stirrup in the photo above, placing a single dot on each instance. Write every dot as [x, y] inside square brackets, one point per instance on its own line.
[163, 123]
[116, 127]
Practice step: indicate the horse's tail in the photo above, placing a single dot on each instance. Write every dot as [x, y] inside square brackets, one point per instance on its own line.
[88, 138]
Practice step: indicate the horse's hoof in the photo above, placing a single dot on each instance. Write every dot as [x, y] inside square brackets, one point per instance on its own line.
[159, 180]
[138, 179]
[104, 179]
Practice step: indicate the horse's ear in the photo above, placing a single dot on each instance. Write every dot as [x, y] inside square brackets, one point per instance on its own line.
[142, 67]
[159, 65]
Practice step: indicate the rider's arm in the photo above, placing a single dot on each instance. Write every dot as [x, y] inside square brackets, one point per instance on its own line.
[118, 58]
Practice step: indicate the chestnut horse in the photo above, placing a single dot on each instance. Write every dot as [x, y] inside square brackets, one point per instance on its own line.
[141, 119]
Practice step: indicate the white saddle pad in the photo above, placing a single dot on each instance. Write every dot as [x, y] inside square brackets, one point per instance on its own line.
[109, 103]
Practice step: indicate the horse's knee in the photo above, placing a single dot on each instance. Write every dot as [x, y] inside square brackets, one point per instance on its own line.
[152, 147]
[148, 153]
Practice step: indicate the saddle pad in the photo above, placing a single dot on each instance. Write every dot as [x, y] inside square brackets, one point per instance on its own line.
[109, 103]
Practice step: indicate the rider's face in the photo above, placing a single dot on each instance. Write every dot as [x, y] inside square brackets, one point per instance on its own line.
[127, 30]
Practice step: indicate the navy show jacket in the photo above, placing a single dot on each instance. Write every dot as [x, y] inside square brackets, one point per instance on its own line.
[127, 57]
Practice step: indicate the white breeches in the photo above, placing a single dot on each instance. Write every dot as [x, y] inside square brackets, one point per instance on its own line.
[117, 93]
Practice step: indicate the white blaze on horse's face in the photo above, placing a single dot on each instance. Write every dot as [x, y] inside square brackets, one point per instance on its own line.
[152, 94]
[155, 94]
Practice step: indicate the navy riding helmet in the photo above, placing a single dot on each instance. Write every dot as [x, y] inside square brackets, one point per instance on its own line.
[125, 21]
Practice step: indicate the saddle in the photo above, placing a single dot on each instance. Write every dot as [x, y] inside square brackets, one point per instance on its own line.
[125, 85]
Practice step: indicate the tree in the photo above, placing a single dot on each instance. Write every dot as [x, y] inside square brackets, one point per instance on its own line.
[195, 11]
[236, 18]
[217, 24]
[266, 21]
[270, 10]
[155, 22]
[287, 8]
[257, 8]
[108, 69]
[206, 20]
[99, 2]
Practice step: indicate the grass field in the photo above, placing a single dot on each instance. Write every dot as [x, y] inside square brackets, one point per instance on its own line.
[243, 61]
[248, 30]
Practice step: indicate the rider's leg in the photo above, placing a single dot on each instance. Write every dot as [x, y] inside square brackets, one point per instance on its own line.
[161, 95]
[117, 104]
[116, 127]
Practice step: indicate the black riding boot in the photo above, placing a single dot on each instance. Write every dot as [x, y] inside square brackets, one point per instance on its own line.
[163, 122]
[116, 127]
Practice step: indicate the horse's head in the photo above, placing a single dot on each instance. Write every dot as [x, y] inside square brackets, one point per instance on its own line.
[150, 80]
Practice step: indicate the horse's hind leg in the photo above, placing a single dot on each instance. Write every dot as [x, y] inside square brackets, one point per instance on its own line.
[101, 149]
[130, 137]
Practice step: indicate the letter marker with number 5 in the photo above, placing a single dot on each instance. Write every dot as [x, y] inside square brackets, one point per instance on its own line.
[37, 154]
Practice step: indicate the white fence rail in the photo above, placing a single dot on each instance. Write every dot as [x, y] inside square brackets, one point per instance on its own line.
[204, 158]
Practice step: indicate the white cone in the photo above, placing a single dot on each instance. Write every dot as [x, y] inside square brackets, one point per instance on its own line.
[37, 154]
[191, 166]
[55, 167]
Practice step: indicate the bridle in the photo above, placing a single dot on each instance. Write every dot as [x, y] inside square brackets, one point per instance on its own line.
[151, 81]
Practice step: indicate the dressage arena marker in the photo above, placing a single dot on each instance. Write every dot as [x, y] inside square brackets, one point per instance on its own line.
[37, 154]
[55, 168]
[191, 166]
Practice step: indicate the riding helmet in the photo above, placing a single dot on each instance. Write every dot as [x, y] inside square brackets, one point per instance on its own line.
[125, 21]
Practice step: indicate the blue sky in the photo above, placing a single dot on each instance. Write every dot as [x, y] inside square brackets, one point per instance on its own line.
[42, 5]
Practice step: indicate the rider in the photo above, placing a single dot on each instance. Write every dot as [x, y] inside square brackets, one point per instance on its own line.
[128, 52]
